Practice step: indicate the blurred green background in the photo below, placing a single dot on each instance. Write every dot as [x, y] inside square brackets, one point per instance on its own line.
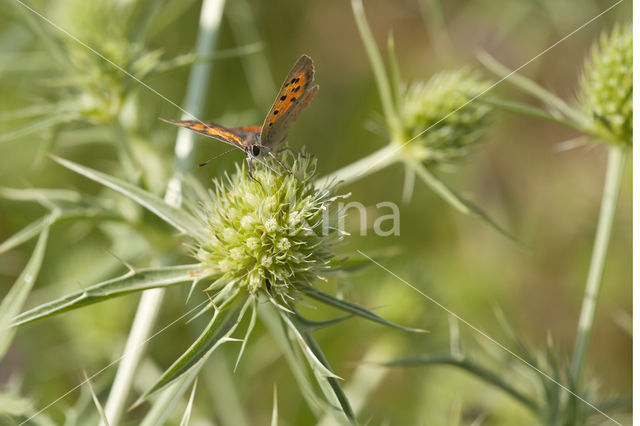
[546, 196]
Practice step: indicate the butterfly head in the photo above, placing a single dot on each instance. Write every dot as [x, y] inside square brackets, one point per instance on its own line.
[254, 150]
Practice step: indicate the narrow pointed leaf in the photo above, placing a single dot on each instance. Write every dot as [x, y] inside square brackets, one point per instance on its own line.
[133, 281]
[352, 308]
[188, 59]
[525, 109]
[25, 234]
[456, 200]
[53, 195]
[186, 417]
[212, 337]
[37, 126]
[482, 373]
[325, 378]
[35, 227]
[172, 215]
[532, 88]
[348, 265]
[169, 397]
[12, 303]
[96, 401]
[316, 325]
[270, 318]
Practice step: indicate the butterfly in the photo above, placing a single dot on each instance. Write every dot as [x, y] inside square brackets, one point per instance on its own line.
[260, 141]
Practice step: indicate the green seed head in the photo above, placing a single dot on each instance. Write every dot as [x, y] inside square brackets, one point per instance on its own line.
[439, 106]
[275, 232]
[606, 87]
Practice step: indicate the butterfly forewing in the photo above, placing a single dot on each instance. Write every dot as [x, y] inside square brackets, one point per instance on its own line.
[294, 95]
[212, 130]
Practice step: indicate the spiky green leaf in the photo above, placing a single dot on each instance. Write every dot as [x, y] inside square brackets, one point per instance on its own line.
[131, 282]
[214, 335]
[12, 303]
[325, 378]
[354, 309]
[178, 218]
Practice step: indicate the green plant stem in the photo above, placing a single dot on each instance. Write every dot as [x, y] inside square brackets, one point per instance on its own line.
[377, 64]
[615, 167]
[364, 167]
[150, 301]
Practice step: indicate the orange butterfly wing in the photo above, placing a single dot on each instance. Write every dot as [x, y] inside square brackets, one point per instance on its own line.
[295, 94]
[212, 130]
[247, 133]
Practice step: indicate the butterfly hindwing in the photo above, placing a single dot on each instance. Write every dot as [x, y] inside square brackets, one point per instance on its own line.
[294, 95]
[248, 134]
[212, 130]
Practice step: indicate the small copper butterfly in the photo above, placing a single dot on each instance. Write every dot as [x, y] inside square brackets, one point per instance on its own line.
[259, 141]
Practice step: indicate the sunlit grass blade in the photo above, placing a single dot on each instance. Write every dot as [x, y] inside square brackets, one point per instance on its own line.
[30, 111]
[35, 227]
[325, 378]
[482, 373]
[186, 417]
[172, 215]
[354, 309]
[96, 401]
[189, 59]
[394, 71]
[37, 126]
[274, 410]
[131, 282]
[378, 67]
[26, 233]
[51, 195]
[456, 200]
[14, 300]
[214, 335]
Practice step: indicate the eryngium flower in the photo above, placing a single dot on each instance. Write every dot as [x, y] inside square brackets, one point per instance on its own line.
[274, 232]
[606, 87]
[442, 106]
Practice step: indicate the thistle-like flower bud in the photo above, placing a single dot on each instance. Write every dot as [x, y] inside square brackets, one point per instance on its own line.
[606, 89]
[272, 233]
[439, 106]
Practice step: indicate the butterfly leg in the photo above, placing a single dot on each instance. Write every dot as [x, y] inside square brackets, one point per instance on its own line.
[280, 162]
[249, 163]
[286, 148]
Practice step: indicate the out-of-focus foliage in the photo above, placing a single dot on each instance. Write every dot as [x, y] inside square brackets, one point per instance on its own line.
[59, 97]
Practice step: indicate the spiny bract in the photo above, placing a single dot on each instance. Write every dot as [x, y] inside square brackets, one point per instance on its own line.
[606, 90]
[441, 109]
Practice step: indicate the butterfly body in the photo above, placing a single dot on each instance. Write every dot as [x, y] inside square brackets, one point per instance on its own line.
[259, 141]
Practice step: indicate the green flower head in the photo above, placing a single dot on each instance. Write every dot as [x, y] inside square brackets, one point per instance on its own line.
[274, 232]
[439, 106]
[606, 87]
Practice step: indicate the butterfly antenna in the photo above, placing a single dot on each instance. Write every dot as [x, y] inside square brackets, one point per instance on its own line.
[217, 156]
